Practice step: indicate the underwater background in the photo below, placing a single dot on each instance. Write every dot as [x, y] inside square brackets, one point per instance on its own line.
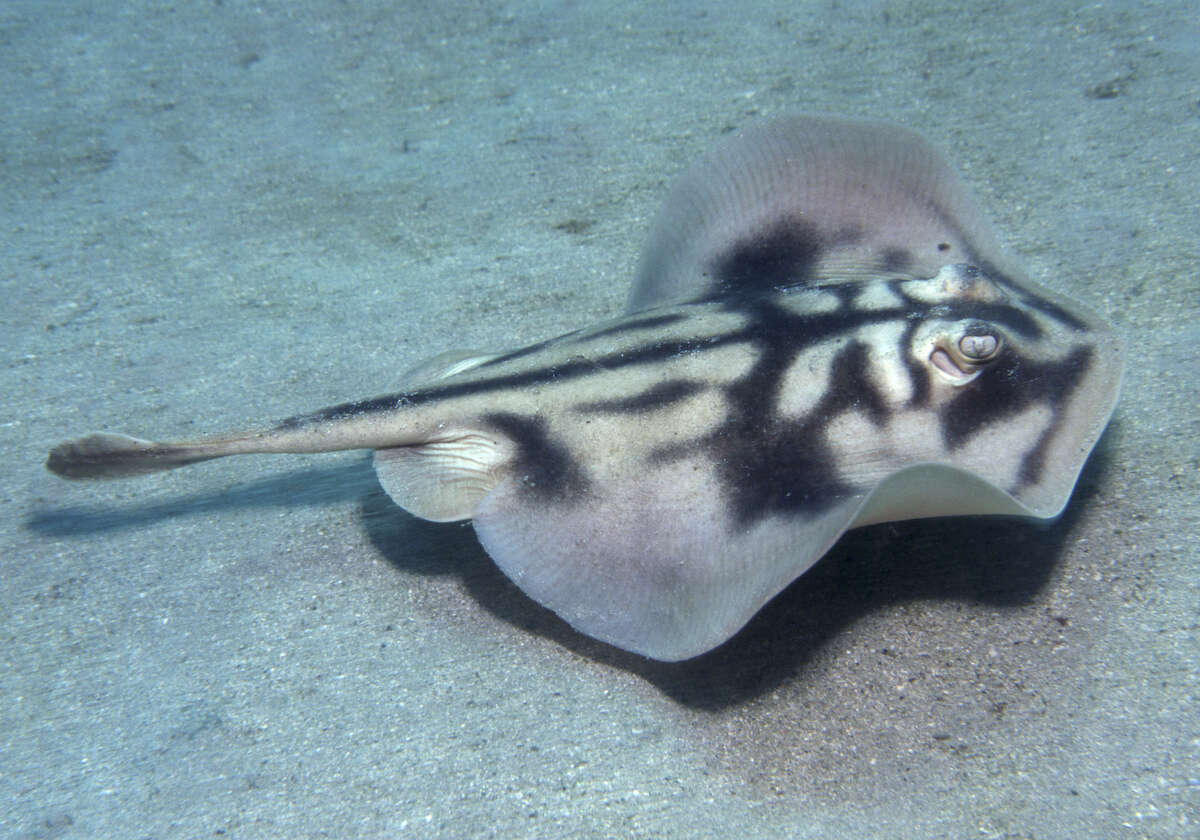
[220, 213]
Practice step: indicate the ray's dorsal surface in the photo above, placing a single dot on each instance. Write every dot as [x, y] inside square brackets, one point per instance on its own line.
[822, 334]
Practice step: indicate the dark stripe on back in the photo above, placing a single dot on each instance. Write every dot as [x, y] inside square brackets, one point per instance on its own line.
[660, 396]
[631, 325]
[777, 330]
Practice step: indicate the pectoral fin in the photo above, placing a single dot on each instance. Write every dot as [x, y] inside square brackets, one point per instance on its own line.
[444, 480]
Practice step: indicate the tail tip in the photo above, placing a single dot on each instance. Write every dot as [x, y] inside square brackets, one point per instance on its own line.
[102, 455]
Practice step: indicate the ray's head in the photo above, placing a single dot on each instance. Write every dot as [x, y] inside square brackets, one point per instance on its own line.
[1016, 384]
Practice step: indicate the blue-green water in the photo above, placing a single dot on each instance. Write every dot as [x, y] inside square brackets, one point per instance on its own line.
[227, 212]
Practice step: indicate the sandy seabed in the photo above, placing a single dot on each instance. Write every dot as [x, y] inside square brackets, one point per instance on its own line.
[225, 212]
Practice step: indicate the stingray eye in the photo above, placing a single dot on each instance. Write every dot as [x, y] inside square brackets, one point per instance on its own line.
[963, 355]
[979, 348]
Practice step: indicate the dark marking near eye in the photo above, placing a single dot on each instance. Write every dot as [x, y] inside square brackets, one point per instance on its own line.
[895, 259]
[1052, 309]
[783, 255]
[660, 396]
[918, 372]
[1007, 388]
[972, 255]
[1001, 314]
[1035, 302]
[543, 465]
[1034, 462]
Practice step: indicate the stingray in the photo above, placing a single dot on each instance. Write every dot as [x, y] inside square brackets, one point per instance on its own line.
[822, 334]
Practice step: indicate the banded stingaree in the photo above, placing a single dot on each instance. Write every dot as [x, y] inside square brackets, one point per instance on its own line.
[822, 335]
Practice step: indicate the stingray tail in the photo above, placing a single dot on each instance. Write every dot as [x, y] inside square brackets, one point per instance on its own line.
[108, 455]
[102, 455]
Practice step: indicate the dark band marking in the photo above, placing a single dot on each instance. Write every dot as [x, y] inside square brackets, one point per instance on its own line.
[543, 465]
[1033, 464]
[347, 410]
[974, 256]
[1035, 302]
[785, 469]
[660, 396]
[1053, 310]
[783, 255]
[770, 466]
[852, 388]
[778, 467]
[1008, 387]
[918, 373]
[846, 293]
[1039, 304]
[895, 259]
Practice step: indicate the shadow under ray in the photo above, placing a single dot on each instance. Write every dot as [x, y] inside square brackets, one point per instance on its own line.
[300, 488]
[997, 561]
[994, 561]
